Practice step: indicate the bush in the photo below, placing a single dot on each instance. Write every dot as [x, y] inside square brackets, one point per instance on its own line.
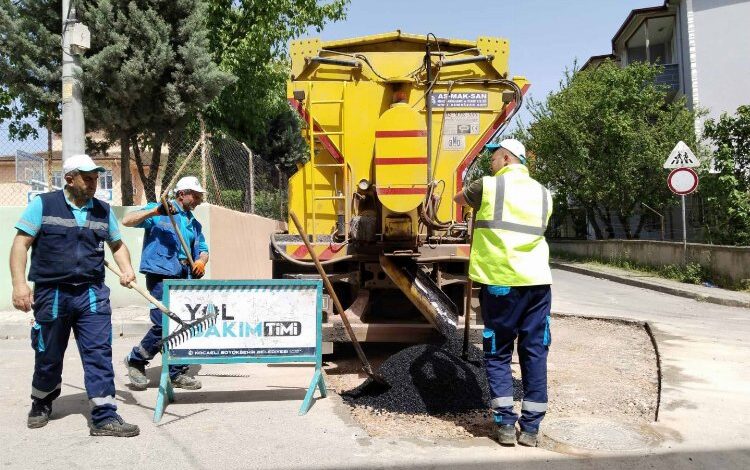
[271, 204]
[233, 199]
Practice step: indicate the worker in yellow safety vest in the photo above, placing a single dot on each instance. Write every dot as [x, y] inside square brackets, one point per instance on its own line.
[510, 260]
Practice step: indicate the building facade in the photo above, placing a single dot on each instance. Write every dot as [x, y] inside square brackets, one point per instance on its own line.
[703, 45]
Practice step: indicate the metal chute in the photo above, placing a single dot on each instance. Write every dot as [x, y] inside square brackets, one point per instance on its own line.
[422, 291]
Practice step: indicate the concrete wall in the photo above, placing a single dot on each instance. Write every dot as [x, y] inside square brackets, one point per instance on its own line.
[239, 248]
[238, 244]
[732, 262]
[722, 37]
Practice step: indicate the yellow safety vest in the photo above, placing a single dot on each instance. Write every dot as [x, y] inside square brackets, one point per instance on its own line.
[508, 248]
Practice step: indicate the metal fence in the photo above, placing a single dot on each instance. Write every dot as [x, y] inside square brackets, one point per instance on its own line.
[232, 174]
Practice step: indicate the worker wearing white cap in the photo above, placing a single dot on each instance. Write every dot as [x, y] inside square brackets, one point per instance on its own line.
[66, 231]
[510, 260]
[164, 258]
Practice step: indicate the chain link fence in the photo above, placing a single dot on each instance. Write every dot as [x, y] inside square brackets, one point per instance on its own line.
[25, 167]
[661, 223]
[234, 177]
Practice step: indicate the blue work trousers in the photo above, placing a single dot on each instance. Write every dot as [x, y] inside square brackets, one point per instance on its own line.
[85, 310]
[148, 347]
[524, 313]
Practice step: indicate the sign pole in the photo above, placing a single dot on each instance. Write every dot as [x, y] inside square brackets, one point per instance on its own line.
[684, 232]
[682, 180]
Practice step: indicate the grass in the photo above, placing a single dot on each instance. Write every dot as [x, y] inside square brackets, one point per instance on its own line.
[690, 273]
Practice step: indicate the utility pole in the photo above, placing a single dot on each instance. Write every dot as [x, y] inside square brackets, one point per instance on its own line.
[76, 39]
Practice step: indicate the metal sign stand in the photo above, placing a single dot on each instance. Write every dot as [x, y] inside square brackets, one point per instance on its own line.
[684, 232]
[680, 160]
[166, 391]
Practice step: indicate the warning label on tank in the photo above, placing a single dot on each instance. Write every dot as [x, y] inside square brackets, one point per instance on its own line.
[461, 123]
[454, 142]
[460, 100]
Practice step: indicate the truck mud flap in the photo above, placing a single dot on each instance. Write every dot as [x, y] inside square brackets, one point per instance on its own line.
[432, 302]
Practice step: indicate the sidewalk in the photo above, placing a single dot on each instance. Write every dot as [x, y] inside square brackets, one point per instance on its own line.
[126, 321]
[713, 295]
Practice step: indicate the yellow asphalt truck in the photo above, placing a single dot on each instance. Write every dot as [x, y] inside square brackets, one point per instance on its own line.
[394, 122]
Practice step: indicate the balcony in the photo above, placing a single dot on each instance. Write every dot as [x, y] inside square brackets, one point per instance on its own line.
[670, 77]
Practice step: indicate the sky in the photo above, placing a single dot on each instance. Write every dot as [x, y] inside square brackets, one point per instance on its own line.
[546, 36]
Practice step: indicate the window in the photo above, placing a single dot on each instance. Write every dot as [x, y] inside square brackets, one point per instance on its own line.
[36, 186]
[652, 41]
[105, 180]
[57, 180]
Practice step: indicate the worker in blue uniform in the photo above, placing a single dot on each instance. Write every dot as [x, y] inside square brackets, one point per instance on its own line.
[66, 231]
[510, 261]
[164, 258]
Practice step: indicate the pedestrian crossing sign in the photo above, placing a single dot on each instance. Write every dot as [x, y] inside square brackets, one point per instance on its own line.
[681, 157]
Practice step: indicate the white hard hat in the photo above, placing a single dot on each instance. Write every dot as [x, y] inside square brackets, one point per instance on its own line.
[516, 148]
[80, 162]
[189, 183]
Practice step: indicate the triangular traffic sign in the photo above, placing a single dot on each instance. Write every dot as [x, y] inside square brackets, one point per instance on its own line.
[681, 157]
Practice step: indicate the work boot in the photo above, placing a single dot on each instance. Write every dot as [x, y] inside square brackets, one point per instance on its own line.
[39, 414]
[506, 434]
[528, 439]
[114, 427]
[137, 374]
[186, 382]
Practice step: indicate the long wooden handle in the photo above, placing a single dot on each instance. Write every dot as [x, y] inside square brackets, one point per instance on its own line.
[167, 208]
[467, 304]
[333, 295]
[140, 289]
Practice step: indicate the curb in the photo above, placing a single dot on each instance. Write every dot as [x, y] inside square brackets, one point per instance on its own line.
[652, 337]
[651, 286]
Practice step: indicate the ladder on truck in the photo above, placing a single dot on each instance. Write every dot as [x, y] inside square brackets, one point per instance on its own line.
[339, 192]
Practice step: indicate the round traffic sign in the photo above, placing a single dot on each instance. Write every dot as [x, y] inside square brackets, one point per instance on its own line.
[682, 181]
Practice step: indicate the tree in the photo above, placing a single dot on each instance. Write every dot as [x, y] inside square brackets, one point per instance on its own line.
[149, 71]
[600, 142]
[30, 66]
[6, 111]
[248, 38]
[726, 192]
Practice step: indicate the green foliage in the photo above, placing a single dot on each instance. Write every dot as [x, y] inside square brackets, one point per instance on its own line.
[233, 199]
[149, 67]
[690, 273]
[478, 169]
[5, 105]
[600, 142]
[30, 65]
[726, 194]
[271, 204]
[148, 72]
[248, 38]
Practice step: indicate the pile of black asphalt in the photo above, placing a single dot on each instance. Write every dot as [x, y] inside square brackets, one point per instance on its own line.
[427, 378]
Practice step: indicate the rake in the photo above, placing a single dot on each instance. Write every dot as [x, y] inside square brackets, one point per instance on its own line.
[186, 330]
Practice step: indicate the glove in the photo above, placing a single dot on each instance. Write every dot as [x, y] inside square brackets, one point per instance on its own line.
[199, 268]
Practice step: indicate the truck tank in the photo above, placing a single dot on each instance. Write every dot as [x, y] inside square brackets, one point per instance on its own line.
[393, 121]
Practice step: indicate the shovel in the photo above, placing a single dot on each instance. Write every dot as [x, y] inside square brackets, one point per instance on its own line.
[186, 330]
[377, 379]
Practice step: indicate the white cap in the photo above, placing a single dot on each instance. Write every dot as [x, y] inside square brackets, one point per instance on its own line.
[80, 162]
[189, 183]
[516, 148]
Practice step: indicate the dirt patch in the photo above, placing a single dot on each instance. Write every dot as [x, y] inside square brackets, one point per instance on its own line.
[596, 368]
